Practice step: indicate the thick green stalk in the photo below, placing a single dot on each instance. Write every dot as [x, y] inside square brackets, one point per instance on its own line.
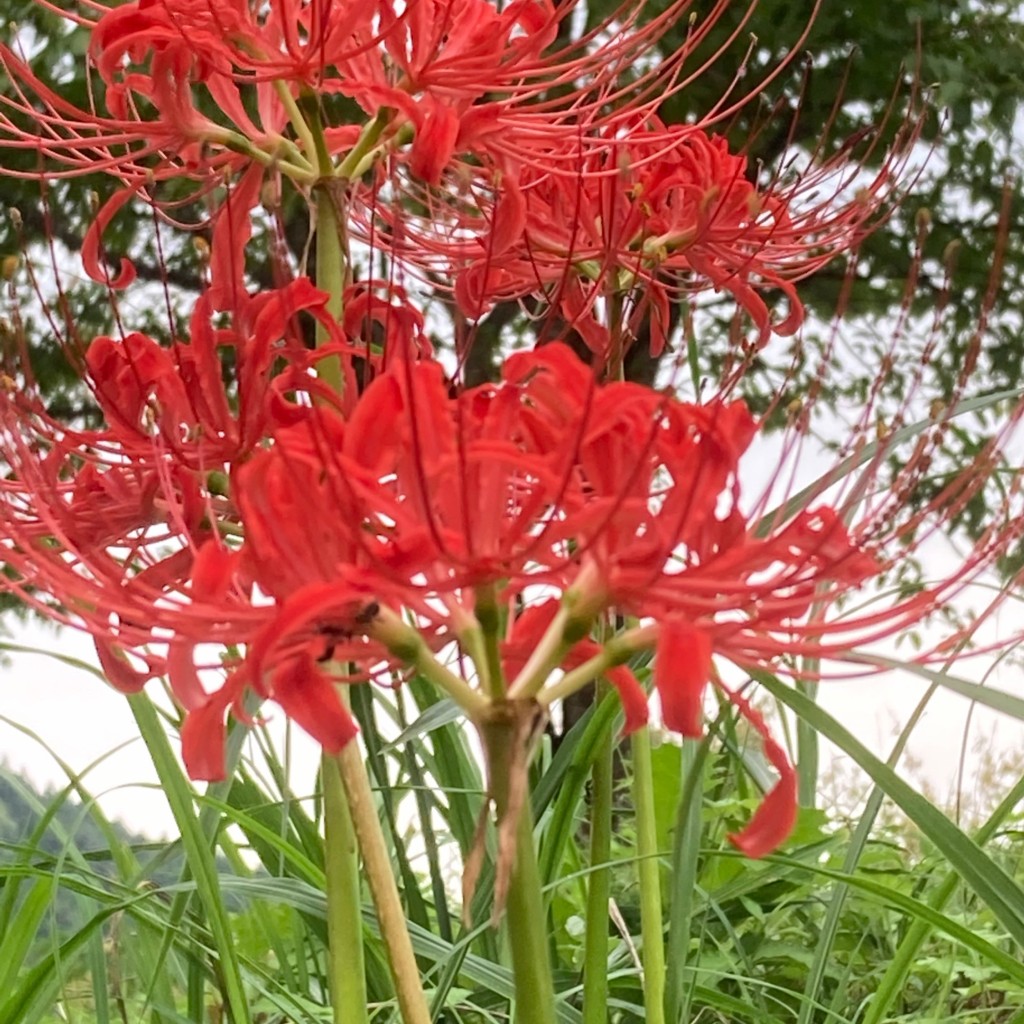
[649, 873]
[506, 731]
[405, 973]
[527, 931]
[346, 969]
[595, 939]
[490, 625]
[346, 961]
[331, 269]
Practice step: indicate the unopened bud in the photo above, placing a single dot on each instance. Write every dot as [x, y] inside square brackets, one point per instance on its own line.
[202, 248]
[94, 201]
[951, 253]
[9, 267]
[923, 219]
[218, 483]
[15, 214]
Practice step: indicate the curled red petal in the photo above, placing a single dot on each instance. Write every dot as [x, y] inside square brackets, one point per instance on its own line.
[682, 669]
[436, 132]
[309, 698]
[213, 570]
[91, 244]
[231, 234]
[509, 219]
[183, 677]
[773, 821]
[632, 696]
[120, 673]
[202, 739]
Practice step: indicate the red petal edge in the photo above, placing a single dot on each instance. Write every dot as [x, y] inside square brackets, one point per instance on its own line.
[682, 668]
[773, 821]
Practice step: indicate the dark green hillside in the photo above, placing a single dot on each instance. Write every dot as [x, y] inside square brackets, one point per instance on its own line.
[62, 836]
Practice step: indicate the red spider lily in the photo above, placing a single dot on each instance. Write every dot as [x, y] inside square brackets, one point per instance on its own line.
[431, 505]
[108, 521]
[492, 95]
[176, 395]
[175, 75]
[196, 40]
[649, 215]
[456, 71]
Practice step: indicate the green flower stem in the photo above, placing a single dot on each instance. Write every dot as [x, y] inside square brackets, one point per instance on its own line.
[406, 644]
[345, 956]
[506, 732]
[296, 167]
[652, 935]
[527, 931]
[616, 368]
[354, 163]
[616, 651]
[302, 129]
[331, 269]
[490, 626]
[595, 939]
[346, 969]
[405, 972]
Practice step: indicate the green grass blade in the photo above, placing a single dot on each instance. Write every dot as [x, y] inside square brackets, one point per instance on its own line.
[858, 842]
[873, 451]
[562, 785]
[920, 911]
[902, 961]
[998, 700]
[198, 852]
[686, 843]
[1004, 896]
[22, 929]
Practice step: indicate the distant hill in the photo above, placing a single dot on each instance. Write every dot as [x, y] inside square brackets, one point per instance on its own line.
[55, 830]
[23, 807]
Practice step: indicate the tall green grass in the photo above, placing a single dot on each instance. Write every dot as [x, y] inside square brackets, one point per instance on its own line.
[886, 917]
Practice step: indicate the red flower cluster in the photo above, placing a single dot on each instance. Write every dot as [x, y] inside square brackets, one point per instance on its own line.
[645, 216]
[173, 528]
[541, 171]
[346, 511]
